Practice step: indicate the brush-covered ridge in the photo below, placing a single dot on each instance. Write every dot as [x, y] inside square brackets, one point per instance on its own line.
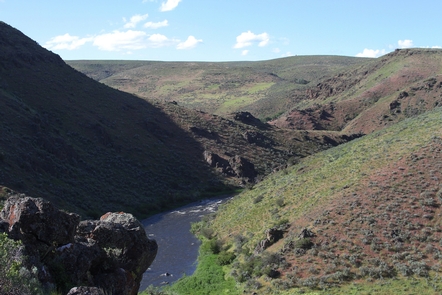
[371, 208]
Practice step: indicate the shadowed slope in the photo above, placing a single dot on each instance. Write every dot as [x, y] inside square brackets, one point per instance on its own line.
[83, 145]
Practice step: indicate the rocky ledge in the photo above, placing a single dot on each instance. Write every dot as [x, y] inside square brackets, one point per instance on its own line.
[108, 255]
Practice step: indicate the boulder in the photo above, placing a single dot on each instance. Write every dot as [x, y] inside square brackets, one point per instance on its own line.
[123, 239]
[37, 222]
[111, 253]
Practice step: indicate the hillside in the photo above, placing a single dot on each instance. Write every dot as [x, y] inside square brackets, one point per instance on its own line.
[220, 88]
[366, 210]
[332, 93]
[85, 146]
[370, 97]
[91, 149]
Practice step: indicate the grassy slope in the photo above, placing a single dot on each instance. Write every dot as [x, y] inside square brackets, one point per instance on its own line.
[386, 181]
[261, 87]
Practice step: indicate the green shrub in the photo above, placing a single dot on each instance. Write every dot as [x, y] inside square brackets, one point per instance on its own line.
[208, 279]
[304, 244]
[14, 277]
[225, 258]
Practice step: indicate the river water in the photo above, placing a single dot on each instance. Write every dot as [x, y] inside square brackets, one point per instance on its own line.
[177, 246]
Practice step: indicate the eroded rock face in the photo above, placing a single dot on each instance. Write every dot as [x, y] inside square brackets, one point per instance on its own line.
[37, 222]
[242, 167]
[108, 255]
[233, 166]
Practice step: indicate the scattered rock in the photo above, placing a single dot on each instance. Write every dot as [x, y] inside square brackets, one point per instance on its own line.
[257, 138]
[86, 291]
[395, 107]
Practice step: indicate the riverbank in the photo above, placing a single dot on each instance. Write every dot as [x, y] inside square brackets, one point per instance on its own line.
[177, 246]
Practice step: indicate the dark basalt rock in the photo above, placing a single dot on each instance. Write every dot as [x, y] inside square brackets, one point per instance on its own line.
[243, 167]
[37, 222]
[233, 166]
[106, 256]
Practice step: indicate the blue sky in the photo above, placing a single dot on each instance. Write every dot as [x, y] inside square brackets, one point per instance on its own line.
[224, 30]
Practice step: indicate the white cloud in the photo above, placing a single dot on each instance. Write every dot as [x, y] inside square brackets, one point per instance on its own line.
[276, 50]
[190, 43]
[248, 38]
[244, 52]
[169, 5]
[117, 41]
[156, 25]
[126, 41]
[134, 20]
[158, 40]
[371, 53]
[66, 41]
[405, 43]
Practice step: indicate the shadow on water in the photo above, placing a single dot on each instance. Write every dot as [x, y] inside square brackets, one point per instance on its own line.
[177, 246]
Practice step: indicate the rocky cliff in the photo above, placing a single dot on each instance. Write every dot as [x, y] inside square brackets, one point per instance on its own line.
[106, 256]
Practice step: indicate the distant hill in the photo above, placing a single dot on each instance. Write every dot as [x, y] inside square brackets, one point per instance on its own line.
[335, 93]
[260, 87]
[370, 97]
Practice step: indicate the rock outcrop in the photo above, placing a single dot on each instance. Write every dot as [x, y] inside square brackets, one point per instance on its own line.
[108, 255]
[249, 119]
[233, 166]
[273, 235]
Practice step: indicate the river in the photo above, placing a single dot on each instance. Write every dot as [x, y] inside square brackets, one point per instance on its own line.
[177, 246]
